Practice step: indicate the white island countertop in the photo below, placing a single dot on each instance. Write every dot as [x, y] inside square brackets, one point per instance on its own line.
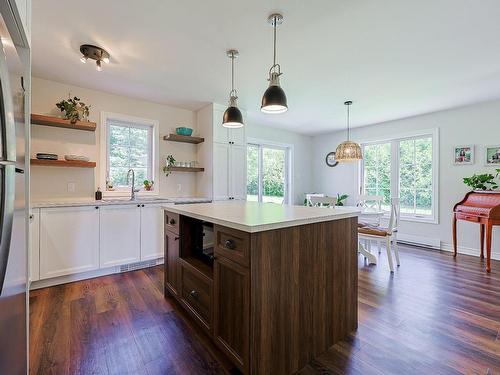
[258, 217]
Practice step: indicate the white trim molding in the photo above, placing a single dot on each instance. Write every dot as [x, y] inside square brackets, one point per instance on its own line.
[155, 125]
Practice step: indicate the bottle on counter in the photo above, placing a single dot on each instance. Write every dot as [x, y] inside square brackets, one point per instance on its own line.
[98, 194]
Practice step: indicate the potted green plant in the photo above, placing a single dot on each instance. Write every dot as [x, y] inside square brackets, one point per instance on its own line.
[148, 185]
[341, 199]
[170, 161]
[74, 109]
[483, 182]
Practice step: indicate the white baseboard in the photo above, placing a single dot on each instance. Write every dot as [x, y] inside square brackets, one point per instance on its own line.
[435, 243]
[38, 284]
[469, 250]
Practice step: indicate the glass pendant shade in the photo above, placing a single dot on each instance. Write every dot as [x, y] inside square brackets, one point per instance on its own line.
[348, 150]
[232, 118]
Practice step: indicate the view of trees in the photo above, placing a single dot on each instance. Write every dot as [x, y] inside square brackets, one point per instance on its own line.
[128, 148]
[273, 174]
[414, 175]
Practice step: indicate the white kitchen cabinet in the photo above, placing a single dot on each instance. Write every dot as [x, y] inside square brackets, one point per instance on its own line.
[237, 136]
[229, 170]
[221, 171]
[69, 240]
[24, 11]
[151, 231]
[238, 172]
[34, 269]
[120, 235]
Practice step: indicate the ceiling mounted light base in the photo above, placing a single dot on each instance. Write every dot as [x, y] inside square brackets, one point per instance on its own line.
[275, 17]
[95, 53]
[232, 53]
[349, 102]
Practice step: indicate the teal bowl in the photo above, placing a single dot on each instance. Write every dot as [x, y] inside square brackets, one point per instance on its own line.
[184, 131]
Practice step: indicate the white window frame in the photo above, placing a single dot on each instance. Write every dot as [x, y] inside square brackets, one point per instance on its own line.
[394, 141]
[288, 148]
[104, 152]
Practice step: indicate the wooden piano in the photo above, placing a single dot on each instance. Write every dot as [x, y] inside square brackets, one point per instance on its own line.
[481, 208]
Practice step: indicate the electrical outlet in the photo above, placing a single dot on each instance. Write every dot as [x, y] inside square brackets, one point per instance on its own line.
[71, 187]
[179, 187]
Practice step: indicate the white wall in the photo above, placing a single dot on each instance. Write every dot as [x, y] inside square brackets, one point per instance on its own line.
[478, 124]
[51, 182]
[302, 155]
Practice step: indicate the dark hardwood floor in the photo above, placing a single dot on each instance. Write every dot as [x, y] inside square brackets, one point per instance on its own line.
[435, 315]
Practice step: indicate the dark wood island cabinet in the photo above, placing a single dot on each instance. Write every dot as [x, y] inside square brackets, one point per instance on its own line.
[271, 293]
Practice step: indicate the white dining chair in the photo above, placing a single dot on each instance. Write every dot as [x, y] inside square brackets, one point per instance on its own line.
[370, 204]
[323, 201]
[311, 195]
[387, 234]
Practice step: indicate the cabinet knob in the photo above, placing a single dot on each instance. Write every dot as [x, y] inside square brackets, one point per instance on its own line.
[230, 244]
[176, 238]
[142, 206]
[138, 205]
[96, 207]
[172, 222]
[194, 294]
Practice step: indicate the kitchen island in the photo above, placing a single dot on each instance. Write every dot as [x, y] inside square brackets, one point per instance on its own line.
[273, 286]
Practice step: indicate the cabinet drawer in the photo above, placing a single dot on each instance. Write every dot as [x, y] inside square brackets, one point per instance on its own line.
[196, 294]
[474, 219]
[172, 222]
[232, 244]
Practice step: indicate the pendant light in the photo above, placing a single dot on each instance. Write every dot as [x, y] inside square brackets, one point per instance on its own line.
[274, 99]
[232, 117]
[348, 150]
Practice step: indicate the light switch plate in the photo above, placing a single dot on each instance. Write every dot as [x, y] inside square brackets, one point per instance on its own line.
[71, 187]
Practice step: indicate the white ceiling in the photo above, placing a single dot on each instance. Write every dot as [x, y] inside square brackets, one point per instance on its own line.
[393, 58]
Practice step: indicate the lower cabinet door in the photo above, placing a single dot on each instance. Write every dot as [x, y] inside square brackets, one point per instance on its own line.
[120, 235]
[196, 294]
[69, 240]
[172, 279]
[232, 310]
[151, 231]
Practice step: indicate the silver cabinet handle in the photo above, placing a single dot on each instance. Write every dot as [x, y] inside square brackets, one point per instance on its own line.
[194, 294]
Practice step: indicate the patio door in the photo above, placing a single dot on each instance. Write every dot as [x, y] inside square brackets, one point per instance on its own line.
[268, 173]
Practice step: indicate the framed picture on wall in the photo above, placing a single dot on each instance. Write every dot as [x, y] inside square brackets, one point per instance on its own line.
[463, 155]
[492, 155]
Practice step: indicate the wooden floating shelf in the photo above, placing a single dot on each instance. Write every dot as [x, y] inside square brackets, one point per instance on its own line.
[183, 138]
[185, 169]
[64, 163]
[62, 123]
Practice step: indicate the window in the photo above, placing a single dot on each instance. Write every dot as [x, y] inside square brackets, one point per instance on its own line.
[129, 144]
[268, 173]
[404, 167]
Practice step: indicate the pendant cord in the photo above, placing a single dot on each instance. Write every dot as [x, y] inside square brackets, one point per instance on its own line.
[274, 52]
[348, 124]
[232, 71]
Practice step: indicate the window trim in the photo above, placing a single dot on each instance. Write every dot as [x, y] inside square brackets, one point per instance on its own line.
[289, 162]
[103, 165]
[394, 141]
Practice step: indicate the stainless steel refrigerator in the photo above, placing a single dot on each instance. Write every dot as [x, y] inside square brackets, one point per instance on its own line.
[13, 210]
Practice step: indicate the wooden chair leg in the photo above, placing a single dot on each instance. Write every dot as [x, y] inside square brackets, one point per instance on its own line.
[482, 240]
[454, 236]
[389, 255]
[489, 230]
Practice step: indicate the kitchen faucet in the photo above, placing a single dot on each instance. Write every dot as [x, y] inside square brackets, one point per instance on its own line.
[133, 190]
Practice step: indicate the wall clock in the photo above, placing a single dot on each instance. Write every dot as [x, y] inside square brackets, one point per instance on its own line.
[330, 159]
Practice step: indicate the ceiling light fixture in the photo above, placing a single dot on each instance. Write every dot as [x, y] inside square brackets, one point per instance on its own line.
[348, 150]
[232, 117]
[98, 54]
[274, 99]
